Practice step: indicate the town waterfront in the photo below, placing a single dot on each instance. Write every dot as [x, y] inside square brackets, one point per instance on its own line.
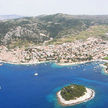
[20, 88]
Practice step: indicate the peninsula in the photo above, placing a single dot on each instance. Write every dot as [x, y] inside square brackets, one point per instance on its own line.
[74, 94]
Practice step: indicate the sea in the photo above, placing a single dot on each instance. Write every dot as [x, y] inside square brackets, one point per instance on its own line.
[20, 88]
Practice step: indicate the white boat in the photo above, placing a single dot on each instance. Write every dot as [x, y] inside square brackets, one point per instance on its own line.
[36, 74]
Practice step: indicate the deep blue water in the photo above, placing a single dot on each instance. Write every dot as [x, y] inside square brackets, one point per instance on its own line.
[21, 89]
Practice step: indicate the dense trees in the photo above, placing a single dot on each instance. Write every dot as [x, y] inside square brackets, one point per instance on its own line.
[73, 91]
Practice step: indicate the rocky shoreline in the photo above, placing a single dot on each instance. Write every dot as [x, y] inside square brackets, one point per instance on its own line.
[60, 64]
[19, 63]
[104, 67]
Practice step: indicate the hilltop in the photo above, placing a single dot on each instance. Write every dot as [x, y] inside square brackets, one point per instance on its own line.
[55, 29]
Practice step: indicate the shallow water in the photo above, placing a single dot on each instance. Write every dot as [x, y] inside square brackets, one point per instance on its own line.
[20, 88]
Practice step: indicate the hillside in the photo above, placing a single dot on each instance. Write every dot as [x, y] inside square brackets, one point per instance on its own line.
[59, 27]
[98, 31]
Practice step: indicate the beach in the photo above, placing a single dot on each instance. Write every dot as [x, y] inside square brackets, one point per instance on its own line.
[90, 94]
[74, 63]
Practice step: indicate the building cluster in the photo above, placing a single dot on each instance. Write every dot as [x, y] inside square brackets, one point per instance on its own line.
[78, 51]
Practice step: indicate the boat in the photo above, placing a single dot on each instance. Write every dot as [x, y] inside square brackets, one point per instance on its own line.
[36, 74]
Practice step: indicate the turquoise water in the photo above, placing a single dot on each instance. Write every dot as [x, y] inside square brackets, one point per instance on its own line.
[21, 89]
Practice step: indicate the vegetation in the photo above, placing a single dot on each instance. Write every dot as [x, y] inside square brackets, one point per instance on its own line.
[106, 64]
[61, 27]
[19, 43]
[73, 91]
[98, 31]
[105, 58]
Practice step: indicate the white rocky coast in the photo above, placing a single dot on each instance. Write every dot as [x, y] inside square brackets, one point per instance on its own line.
[86, 97]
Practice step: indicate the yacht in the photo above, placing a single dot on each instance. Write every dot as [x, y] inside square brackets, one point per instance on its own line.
[36, 74]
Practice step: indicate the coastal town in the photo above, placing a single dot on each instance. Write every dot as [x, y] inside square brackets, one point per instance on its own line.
[77, 51]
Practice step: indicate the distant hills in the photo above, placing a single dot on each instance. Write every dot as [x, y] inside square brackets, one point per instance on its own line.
[58, 27]
[6, 17]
